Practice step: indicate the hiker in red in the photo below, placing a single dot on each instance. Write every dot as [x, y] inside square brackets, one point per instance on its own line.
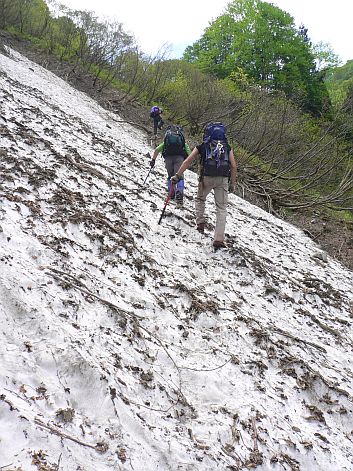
[218, 173]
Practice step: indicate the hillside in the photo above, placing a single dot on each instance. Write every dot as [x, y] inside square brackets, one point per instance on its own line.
[129, 345]
[339, 80]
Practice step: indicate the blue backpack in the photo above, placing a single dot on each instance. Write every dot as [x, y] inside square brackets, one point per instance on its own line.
[215, 162]
[155, 111]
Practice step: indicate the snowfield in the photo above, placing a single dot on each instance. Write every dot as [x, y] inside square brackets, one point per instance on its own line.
[128, 345]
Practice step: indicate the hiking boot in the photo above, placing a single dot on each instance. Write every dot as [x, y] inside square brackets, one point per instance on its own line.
[219, 244]
[201, 227]
[179, 198]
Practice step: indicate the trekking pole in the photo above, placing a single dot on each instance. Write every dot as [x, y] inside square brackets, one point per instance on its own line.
[167, 201]
[150, 170]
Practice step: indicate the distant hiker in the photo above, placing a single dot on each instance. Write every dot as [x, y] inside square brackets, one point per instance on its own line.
[174, 150]
[217, 166]
[155, 114]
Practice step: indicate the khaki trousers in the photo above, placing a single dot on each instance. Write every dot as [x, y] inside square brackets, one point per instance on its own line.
[219, 185]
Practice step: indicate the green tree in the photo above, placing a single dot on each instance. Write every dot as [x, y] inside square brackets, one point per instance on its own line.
[325, 56]
[5, 12]
[262, 40]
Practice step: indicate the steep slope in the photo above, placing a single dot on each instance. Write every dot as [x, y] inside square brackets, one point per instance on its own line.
[129, 345]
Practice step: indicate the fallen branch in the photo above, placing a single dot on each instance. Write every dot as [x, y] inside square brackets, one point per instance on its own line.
[293, 337]
[55, 431]
[254, 435]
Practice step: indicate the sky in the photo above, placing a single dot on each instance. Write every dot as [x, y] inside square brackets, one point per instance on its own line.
[156, 24]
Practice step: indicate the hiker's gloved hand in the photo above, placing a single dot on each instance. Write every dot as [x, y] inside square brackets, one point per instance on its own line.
[152, 163]
[231, 187]
[175, 179]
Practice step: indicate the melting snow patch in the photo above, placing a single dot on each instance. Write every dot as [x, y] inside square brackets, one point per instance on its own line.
[132, 345]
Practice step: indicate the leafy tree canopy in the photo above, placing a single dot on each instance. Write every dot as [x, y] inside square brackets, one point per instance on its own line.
[262, 40]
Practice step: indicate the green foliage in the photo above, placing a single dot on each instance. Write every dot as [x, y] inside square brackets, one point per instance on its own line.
[340, 74]
[261, 40]
[339, 81]
[27, 16]
[325, 57]
[194, 97]
[346, 216]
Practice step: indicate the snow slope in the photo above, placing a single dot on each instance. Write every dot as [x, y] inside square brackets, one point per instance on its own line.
[128, 345]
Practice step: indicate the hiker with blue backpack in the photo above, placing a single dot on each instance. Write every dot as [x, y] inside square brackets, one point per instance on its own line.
[174, 150]
[155, 114]
[218, 173]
